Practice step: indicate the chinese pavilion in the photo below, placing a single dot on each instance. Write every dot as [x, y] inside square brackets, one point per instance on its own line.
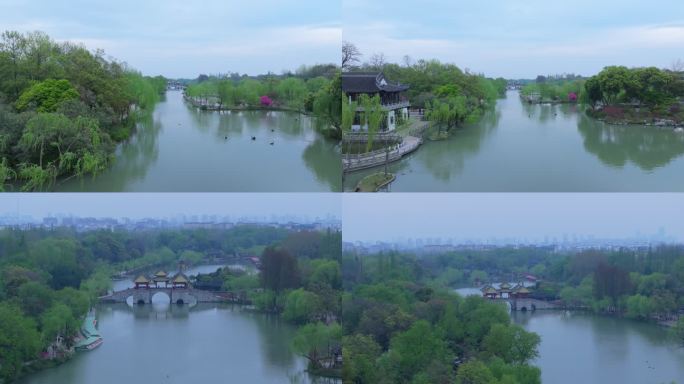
[392, 97]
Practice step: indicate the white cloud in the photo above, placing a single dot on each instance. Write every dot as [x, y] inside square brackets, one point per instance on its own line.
[645, 45]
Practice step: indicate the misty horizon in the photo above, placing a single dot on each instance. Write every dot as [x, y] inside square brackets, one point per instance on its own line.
[148, 205]
[523, 215]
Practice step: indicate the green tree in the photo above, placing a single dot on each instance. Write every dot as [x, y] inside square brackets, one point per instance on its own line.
[76, 300]
[279, 270]
[328, 108]
[19, 341]
[58, 320]
[359, 353]
[226, 92]
[474, 372]
[34, 298]
[301, 306]
[12, 57]
[639, 307]
[678, 331]
[315, 342]
[292, 91]
[416, 348]
[45, 96]
[511, 343]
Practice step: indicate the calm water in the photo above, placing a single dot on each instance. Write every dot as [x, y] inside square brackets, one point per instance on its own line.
[584, 348]
[542, 148]
[167, 344]
[182, 149]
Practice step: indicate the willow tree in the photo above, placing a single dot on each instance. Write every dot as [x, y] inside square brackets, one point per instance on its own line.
[328, 108]
[372, 116]
[315, 342]
[348, 114]
[6, 174]
[292, 91]
[226, 92]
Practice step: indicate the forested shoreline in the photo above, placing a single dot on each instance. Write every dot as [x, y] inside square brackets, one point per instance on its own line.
[50, 278]
[404, 323]
[312, 90]
[448, 95]
[644, 284]
[617, 94]
[401, 327]
[63, 108]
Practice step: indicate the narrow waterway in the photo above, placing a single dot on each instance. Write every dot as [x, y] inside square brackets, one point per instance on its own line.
[578, 347]
[518, 147]
[182, 149]
[173, 344]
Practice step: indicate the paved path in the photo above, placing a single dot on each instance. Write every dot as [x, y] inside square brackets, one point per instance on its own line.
[352, 163]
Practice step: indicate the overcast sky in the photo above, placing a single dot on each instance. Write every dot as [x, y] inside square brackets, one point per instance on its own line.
[182, 38]
[520, 38]
[387, 217]
[141, 205]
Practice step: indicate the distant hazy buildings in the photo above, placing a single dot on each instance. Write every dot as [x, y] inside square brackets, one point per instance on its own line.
[190, 222]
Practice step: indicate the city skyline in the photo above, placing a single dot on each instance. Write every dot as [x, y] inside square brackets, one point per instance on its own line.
[162, 205]
[386, 218]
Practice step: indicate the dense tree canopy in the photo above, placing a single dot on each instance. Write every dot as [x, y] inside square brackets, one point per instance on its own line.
[399, 329]
[649, 86]
[62, 107]
[49, 278]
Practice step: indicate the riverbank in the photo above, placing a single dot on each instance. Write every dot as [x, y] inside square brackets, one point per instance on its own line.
[619, 115]
[330, 132]
[164, 154]
[216, 107]
[88, 337]
[200, 341]
[536, 100]
[374, 182]
[57, 354]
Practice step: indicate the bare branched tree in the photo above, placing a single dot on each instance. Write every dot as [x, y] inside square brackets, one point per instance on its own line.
[378, 60]
[350, 55]
[678, 65]
[408, 61]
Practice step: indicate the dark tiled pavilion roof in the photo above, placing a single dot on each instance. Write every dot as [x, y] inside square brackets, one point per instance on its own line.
[369, 82]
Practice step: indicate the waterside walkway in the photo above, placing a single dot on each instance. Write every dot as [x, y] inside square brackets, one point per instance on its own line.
[355, 162]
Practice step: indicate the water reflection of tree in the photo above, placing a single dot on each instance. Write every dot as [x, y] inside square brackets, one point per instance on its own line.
[203, 120]
[447, 157]
[133, 159]
[235, 123]
[322, 157]
[160, 312]
[276, 338]
[549, 112]
[647, 147]
[230, 124]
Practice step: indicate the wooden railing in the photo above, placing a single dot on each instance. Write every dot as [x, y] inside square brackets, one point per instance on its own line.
[353, 162]
[363, 136]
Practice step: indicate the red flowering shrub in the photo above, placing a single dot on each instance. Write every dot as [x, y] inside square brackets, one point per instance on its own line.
[265, 101]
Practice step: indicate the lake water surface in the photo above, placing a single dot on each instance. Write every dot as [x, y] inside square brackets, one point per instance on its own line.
[182, 149]
[518, 147]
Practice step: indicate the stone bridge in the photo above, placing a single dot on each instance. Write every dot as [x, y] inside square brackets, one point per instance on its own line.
[175, 295]
[527, 304]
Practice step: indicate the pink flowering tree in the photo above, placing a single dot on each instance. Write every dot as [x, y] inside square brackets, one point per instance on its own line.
[572, 96]
[265, 101]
